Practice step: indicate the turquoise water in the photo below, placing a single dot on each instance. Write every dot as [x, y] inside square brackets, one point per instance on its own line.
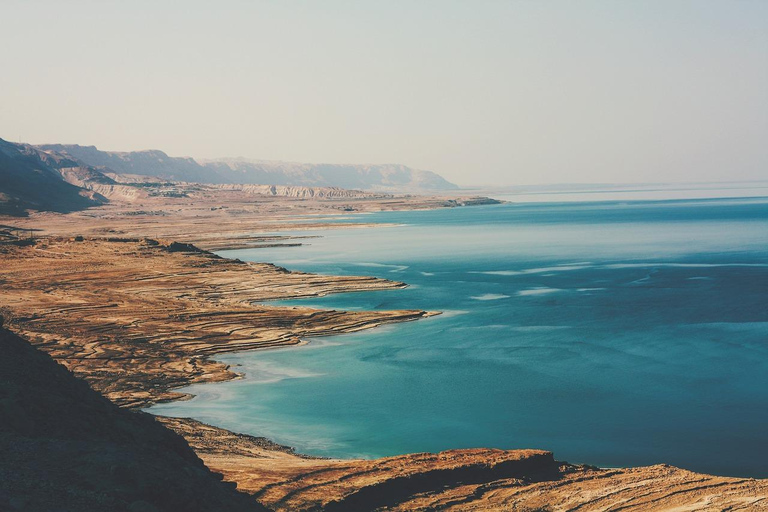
[614, 333]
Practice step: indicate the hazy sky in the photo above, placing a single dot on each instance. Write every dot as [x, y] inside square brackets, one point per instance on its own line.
[481, 92]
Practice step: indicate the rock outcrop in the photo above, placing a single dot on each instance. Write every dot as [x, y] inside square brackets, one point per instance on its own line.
[458, 480]
[137, 318]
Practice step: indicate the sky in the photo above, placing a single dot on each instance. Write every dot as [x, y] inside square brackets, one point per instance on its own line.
[481, 92]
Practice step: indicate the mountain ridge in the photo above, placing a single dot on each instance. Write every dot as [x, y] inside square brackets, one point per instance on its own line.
[239, 170]
[31, 179]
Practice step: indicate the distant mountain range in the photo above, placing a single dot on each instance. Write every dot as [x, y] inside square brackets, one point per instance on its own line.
[380, 178]
[64, 178]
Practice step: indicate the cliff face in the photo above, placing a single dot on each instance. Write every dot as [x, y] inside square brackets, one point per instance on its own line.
[65, 447]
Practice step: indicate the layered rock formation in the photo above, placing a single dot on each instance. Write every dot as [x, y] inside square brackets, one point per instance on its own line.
[137, 318]
[458, 480]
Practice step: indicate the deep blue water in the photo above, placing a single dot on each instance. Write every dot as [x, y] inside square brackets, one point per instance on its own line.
[612, 333]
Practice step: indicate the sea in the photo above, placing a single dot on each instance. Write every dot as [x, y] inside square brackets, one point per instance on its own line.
[615, 328]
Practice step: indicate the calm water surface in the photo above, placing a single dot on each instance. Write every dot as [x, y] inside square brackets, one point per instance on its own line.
[615, 333]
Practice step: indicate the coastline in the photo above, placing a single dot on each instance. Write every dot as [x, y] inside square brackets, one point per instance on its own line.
[168, 308]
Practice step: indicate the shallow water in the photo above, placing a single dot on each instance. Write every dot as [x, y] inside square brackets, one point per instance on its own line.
[614, 333]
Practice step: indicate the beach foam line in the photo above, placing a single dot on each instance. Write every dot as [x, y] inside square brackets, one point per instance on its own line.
[450, 313]
[490, 296]
[682, 265]
[395, 268]
[611, 266]
[538, 291]
[264, 372]
[539, 270]
[540, 328]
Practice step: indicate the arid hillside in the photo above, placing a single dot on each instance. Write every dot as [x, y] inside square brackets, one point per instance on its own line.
[65, 447]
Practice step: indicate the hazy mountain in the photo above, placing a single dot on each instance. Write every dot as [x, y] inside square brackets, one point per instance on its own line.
[385, 177]
[146, 163]
[64, 178]
[33, 179]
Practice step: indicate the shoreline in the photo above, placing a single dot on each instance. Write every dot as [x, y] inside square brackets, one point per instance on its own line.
[166, 307]
[244, 376]
[96, 303]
